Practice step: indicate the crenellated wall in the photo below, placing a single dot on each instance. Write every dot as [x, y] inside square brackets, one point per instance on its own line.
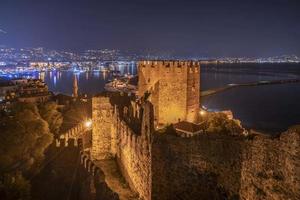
[114, 138]
[74, 133]
[133, 156]
[134, 152]
[207, 166]
[174, 88]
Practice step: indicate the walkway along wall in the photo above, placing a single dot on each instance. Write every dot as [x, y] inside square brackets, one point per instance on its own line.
[113, 138]
[214, 166]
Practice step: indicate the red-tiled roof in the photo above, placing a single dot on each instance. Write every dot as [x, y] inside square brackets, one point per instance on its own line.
[187, 126]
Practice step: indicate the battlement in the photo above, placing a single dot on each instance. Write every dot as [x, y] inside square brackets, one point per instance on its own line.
[174, 87]
[168, 63]
[169, 66]
[164, 166]
[114, 137]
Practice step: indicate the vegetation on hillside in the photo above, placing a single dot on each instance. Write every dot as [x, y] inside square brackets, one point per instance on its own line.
[77, 112]
[26, 132]
[220, 123]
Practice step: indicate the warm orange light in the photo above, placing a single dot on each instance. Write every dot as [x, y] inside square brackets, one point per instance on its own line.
[202, 112]
[88, 123]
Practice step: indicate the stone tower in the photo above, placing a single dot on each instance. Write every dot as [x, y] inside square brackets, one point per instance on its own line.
[102, 128]
[174, 88]
[75, 86]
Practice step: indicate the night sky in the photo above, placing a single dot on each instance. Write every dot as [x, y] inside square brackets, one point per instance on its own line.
[182, 27]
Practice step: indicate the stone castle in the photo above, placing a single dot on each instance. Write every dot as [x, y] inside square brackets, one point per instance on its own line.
[174, 87]
[163, 166]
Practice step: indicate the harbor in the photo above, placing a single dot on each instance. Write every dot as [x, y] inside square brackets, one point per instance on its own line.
[126, 84]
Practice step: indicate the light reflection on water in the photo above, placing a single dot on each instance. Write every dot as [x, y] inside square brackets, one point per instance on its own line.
[271, 108]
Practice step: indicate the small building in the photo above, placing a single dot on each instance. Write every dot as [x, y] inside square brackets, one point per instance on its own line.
[188, 129]
[23, 90]
[6, 87]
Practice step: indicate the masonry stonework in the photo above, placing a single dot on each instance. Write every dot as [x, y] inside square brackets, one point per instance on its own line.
[226, 167]
[112, 137]
[174, 87]
[134, 153]
[164, 166]
[102, 128]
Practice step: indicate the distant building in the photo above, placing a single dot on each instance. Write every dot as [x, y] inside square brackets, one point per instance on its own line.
[23, 90]
[6, 87]
[35, 91]
[39, 64]
[75, 86]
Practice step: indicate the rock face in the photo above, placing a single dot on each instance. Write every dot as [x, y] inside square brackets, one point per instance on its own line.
[208, 166]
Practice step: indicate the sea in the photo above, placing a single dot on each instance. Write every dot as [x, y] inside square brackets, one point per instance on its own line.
[268, 108]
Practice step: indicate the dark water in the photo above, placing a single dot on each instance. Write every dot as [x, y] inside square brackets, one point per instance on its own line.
[270, 108]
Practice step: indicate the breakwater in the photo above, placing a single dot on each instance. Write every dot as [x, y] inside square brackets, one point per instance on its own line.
[251, 84]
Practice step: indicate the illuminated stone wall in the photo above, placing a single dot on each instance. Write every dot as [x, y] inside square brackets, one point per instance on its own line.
[134, 154]
[206, 167]
[174, 88]
[271, 167]
[193, 93]
[102, 128]
[112, 137]
[226, 167]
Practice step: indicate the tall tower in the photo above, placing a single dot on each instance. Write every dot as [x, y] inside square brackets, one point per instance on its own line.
[102, 128]
[174, 88]
[75, 86]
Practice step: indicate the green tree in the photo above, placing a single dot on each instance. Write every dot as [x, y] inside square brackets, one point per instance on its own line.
[24, 136]
[220, 123]
[14, 186]
[50, 113]
[77, 113]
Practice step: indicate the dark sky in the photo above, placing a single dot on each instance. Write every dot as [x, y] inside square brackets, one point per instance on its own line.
[182, 27]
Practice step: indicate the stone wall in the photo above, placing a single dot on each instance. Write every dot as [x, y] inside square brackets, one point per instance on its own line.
[226, 167]
[174, 88]
[134, 153]
[112, 137]
[193, 94]
[206, 167]
[271, 167]
[102, 128]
